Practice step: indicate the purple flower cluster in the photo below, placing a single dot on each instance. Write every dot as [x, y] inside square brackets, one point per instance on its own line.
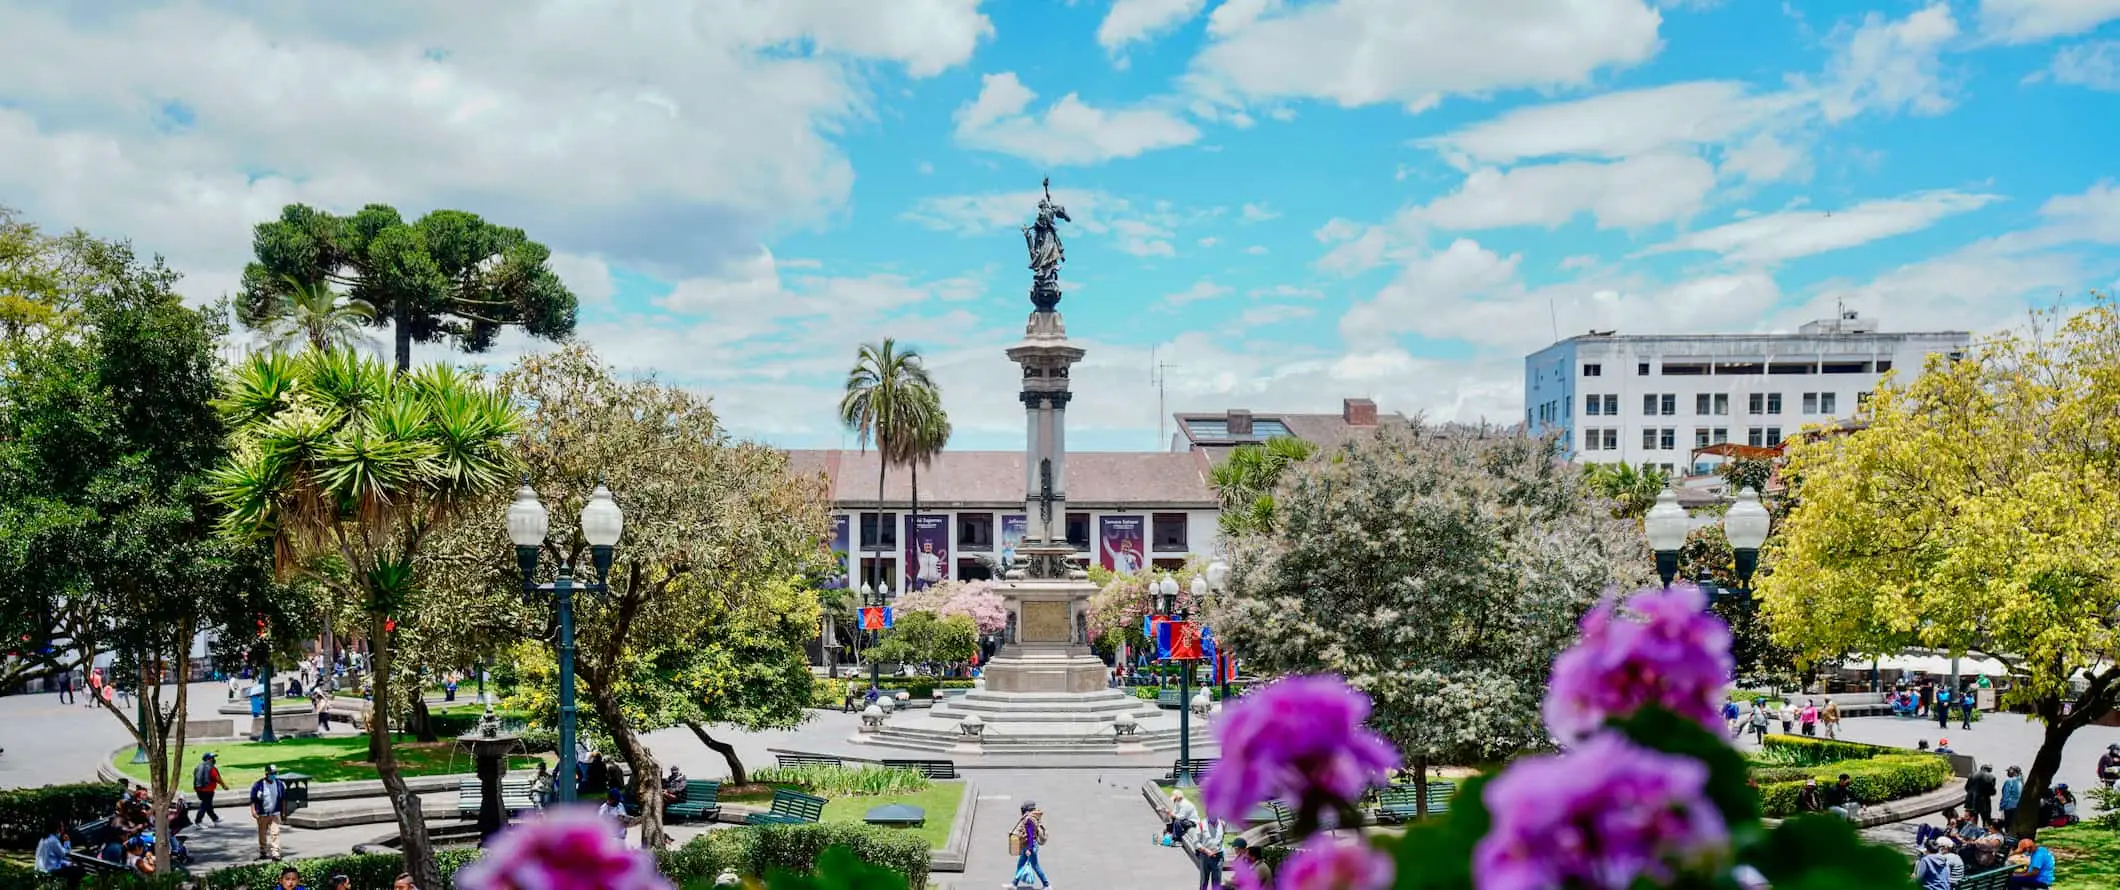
[566, 848]
[1301, 738]
[1327, 863]
[1600, 816]
[1658, 648]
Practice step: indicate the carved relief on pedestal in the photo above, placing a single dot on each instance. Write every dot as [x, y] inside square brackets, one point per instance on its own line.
[1046, 622]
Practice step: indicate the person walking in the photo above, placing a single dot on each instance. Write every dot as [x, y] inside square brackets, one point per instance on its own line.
[1025, 840]
[1808, 717]
[1759, 723]
[268, 802]
[1733, 719]
[205, 780]
[1831, 717]
[1788, 718]
[1943, 707]
[66, 687]
[1980, 795]
[1206, 840]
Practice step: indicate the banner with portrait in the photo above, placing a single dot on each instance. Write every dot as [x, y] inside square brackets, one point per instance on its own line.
[842, 547]
[1122, 543]
[1013, 529]
[927, 550]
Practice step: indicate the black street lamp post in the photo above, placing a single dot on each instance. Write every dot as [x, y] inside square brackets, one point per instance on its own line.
[601, 525]
[873, 596]
[1167, 606]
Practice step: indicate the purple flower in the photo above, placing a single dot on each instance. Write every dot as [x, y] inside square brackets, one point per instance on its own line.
[1327, 863]
[1598, 817]
[565, 848]
[1299, 739]
[1662, 649]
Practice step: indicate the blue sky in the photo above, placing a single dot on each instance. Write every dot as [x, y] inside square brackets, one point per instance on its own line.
[1286, 202]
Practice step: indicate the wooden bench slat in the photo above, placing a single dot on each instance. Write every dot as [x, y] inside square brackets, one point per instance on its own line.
[933, 769]
[701, 800]
[790, 760]
[789, 807]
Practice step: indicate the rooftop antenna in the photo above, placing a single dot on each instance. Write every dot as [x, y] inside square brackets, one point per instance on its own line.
[1554, 312]
[1159, 374]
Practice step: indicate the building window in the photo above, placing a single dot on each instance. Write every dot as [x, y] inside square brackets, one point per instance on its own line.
[1592, 438]
[1773, 403]
[1612, 406]
[975, 531]
[1722, 404]
[1884, 365]
[1593, 370]
[1078, 531]
[1668, 470]
[1592, 404]
[1642, 369]
[1700, 437]
[869, 538]
[1810, 403]
[1828, 403]
[1670, 404]
[1701, 403]
[1862, 400]
[1757, 404]
[1611, 439]
[1756, 437]
[1169, 533]
[1669, 438]
[1722, 434]
[1649, 404]
[1648, 438]
[1773, 436]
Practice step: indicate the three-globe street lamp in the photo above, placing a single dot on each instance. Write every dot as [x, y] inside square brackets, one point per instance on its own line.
[874, 596]
[1215, 579]
[601, 524]
[1745, 525]
[1166, 592]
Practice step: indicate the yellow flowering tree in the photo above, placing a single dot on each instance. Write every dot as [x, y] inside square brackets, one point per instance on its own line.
[1976, 513]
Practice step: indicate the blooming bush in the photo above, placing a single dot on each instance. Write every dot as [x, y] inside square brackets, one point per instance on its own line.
[976, 600]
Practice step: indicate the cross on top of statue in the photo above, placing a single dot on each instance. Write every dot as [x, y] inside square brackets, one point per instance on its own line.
[1042, 237]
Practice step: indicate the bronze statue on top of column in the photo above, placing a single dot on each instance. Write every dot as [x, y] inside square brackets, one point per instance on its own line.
[1043, 239]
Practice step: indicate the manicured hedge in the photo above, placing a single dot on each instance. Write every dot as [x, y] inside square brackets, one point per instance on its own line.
[1874, 780]
[1820, 750]
[26, 814]
[829, 693]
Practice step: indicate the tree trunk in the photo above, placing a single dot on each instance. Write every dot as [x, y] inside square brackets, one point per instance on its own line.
[420, 720]
[402, 332]
[737, 776]
[883, 467]
[2088, 708]
[412, 821]
[647, 774]
[1420, 786]
[159, 794]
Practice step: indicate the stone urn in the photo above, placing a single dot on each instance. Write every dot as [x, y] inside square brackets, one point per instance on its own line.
[872, 717]
[490, 748]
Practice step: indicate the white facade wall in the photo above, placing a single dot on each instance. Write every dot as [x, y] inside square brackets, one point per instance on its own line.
[1201, 536]
[1564, 382]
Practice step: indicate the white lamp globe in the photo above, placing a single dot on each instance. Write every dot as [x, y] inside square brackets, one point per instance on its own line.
[527, 520]
[1666, 523]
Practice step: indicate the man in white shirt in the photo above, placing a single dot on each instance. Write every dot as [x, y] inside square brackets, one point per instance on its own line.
[930, 570]
[51, 855]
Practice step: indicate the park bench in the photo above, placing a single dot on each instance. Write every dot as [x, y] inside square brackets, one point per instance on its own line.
[789, 808]
[794, 760]
[91, 832]
[94, 865]
[1195, 768]
[933, 769]
[516, 797]
[1398, 803]
[1168, 698]
[1995, 879]
[702, 800]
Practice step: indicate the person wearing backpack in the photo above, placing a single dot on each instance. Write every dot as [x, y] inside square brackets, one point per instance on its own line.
[1024, 841]
[205, 780]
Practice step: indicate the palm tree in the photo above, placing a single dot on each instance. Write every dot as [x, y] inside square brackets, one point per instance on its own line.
[888, 391]
[314, 314]
[1632, 490]
[929, 435]
[1245, 482]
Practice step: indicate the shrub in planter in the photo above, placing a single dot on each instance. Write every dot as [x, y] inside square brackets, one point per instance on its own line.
[1874, 780]
[1809, 749]
[26, 814]
[796, 847]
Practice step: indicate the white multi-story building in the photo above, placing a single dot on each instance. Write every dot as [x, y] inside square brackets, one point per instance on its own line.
[1654, 398]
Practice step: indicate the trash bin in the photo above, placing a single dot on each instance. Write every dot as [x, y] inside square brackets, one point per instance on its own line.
[297, 791]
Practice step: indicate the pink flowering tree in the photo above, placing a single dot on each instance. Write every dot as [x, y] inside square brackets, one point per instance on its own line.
[976, 600]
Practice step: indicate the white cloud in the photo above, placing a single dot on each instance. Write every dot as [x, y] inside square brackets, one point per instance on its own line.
[1256, 250]
[1362, 52]
[2095, 65]
[1200, 290]
[1256, 213]
[2093, 216]
[1263, 316]
[1210, 241]
[1630, 193]
[1071, 132]
[1134, 20]
[1775, 237]
[559, 117]
[1143, 238]
[1762, 159]
[587, 276]
[1889, 66]
[2027, 21]
[1615, 125]
[1982, 287]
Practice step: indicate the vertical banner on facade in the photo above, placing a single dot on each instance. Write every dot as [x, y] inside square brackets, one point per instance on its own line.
[842, 546]
[1013, 528]
[927, 550]
[1125, 539]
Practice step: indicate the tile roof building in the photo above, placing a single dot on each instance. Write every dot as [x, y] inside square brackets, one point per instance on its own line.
[1155, 508]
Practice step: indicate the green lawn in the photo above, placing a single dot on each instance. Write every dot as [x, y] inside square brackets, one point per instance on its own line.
[939, 800]
[2085, 857]
[334, 759]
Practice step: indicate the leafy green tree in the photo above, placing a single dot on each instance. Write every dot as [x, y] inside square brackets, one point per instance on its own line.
[349, 470]
[928, 639]
[1438, 573]
[1746, 472]
[1975, 513]
[927, 437]
[311, 313]
[889, 399]
[1245, 482]
[107, 537]
[43, 277]
[708, 607]
[449, 277]
[1632, 490]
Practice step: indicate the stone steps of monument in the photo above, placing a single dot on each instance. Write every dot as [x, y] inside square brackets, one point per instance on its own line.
[948, 740]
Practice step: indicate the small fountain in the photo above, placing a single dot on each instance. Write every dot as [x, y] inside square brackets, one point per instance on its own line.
[490, 747]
